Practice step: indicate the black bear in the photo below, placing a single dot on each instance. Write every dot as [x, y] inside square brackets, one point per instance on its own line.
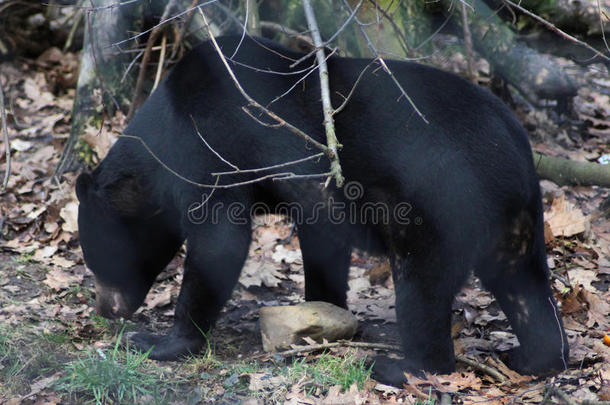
[441, 198]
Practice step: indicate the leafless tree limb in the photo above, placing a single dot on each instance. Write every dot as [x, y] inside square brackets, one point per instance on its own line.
[385, 67]
[272, 176]
[468, 43]
[332, 38]
[342, 106]
[210, 147]
[556, 30]
[258, 106]
[327, 108]
[135, 101]
[261, 169]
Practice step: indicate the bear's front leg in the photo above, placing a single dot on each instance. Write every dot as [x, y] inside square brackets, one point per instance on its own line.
[215, 256]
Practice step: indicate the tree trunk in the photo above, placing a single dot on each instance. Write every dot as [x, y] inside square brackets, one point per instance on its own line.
[533, 74]
[103, 66]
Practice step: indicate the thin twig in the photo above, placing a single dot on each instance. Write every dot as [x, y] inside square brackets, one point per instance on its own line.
[272, 176]
[601, 24]
[135, 101]
[403, 40]
[275, 27]
[468, 43]
[255, 104]
[559, 329]
[182, 31]
[161, 61]
[324, 44]
[169, 19]
[404, 93]
[7, 143]
[327, 108]
[555, 29]
[386, 69]
[210, 147]
[262, 169]
[311, 70]
[342, 106]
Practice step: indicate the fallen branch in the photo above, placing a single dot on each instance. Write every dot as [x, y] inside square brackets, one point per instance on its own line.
[394, 348]
[481, 367]
[7, 143]
[327, 108]
[341, 343]
[569, 172]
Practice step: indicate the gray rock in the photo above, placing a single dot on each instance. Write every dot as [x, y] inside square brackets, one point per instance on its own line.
[286, 325]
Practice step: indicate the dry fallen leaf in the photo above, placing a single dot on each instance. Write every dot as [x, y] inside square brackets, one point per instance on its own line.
[161, 298]
[58, 279]
[258, 273]
[564, 219]
[69, 213]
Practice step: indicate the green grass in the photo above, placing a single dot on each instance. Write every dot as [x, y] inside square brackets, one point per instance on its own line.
[329, 370]
[114, 377]
[25, 356]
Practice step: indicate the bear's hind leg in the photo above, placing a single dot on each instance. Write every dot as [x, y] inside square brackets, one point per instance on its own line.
[517, 276]
[425, 289]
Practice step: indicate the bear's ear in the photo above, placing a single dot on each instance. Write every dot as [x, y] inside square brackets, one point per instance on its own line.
[126, 197]
[83, 184]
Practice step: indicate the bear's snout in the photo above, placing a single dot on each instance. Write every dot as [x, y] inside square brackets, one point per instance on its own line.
[110, 302]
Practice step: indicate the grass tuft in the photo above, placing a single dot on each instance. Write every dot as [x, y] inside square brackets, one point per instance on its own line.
[116, 377]
[329, 370]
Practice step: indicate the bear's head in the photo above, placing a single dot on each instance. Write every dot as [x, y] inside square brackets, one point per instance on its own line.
[126, 243]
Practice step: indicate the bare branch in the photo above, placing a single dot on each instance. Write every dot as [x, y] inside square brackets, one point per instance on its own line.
[255, 104]
[210, 148]
[135, 101]
[404, 93]
[342, 106]
[468, 43]
[261, 169]
[329, 123]
[175, 16]
[386, 68]
[274, 176]
[161, 61]
[332, 38]
[275, 27]
[601, 24]
[555, 29]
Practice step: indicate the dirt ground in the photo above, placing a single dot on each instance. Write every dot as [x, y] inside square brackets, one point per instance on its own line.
[48, 326]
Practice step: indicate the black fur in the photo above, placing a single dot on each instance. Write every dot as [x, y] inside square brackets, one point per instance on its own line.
[465, 182]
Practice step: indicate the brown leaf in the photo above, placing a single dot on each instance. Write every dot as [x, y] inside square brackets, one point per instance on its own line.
[599, 310]
[161, 298]
[60, 279]
[565, 219]
[69, 213]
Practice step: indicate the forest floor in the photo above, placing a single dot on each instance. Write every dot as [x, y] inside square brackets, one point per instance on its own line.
[54, 349]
